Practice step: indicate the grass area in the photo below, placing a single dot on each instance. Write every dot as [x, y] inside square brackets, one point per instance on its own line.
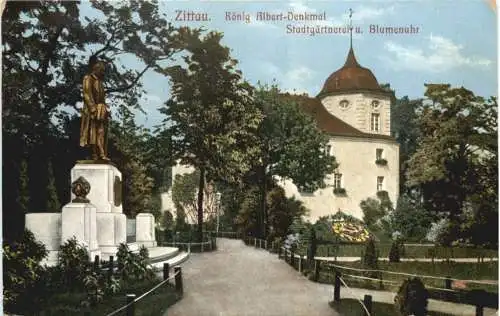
[456, 270]
[156, 303]
[410, 251]
[352, 307]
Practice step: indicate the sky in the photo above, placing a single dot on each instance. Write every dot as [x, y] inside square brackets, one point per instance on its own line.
[456, 44]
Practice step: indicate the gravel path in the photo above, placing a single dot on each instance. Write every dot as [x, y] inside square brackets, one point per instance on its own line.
[238, 280]
[245, 281]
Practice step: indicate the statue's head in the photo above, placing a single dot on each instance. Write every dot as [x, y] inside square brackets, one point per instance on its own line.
[98, 69]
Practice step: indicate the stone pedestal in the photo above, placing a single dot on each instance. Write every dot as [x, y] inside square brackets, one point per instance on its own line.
[106, 185]
[111, 231]
[79, 221]
[47, 229]
[145, 230]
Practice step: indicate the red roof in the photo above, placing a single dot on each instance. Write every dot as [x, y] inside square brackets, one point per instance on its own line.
[352, 76]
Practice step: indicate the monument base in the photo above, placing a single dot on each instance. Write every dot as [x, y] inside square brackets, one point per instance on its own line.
[145, 230]
[46, 227]
[105, 182]
[111, 232]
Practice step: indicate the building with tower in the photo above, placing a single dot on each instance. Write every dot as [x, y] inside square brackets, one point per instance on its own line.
[355, 111]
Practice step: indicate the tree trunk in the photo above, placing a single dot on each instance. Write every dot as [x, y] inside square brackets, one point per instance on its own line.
[201, 188]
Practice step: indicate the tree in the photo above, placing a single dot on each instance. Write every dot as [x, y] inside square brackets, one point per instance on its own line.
[184, 196]
[405, 129]
[457, 148]
[126, 140]
[376, 213]
[213, 120]
[410, 219]
[53, 204]
[292, 146]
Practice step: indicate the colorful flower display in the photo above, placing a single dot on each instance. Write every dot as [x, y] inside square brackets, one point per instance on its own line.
[350, 232]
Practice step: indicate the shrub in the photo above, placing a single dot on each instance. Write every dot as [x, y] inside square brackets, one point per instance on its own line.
[74, 262]
[22, 273]
[370, 259]
[412, 298]
[394, 252]
[132, 266]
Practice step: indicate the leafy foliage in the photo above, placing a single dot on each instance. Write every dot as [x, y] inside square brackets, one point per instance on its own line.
[456, 159]
[412, 298]
[410, 219]
[394, 252]
[370, 258]
[213, 120]
[184, 196]
[132, 266]
[293, 147]
[22, 273]
[74, 262]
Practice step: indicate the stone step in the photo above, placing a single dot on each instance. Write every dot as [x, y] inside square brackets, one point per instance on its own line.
[180, 258]
[159, 254]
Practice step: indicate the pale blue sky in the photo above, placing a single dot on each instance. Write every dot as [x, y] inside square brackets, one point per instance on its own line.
[457, 44]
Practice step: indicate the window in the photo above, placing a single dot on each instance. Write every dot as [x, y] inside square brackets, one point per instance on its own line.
[337, 180]
[375, 122]
[379, 153]
[375, 104]
[344, 104]
[380, 183]
[328, 150]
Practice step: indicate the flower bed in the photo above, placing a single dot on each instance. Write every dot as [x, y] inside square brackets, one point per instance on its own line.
[350, 232]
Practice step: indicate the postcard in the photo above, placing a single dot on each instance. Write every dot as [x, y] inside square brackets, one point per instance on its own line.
[250, 157]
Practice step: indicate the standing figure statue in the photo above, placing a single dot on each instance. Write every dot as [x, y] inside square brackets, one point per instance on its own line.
[95, 113]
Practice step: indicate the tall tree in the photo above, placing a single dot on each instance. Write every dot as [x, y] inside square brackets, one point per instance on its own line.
[53, 204]
[406, 131]
[292, 146]
[212, 113]
[457, 149]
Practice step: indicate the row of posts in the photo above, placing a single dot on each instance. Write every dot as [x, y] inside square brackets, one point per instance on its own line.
[130, 310]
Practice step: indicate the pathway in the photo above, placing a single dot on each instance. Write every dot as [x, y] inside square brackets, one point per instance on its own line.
[241, 280]
[237, 280]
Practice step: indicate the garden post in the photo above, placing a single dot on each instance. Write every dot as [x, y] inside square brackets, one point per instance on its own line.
[300, 263]
[336, 289]
[292, 259]
[279, 252]
[166, 269]
[265, 244]
[130, 308]
[447, 282]
[201, 244]
[255, 242]
[367, 300]
[178, 279]
[316, 270]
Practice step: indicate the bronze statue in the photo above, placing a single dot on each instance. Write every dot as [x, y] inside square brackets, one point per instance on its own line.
[95, 113]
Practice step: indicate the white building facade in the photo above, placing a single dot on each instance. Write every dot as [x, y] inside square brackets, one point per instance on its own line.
[354, 110]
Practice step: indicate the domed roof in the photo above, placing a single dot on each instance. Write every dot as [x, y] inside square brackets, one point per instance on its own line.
[350, 77]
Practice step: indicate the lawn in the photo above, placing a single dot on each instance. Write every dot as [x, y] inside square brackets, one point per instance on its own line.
[410, 251]
[353, 307]
[155, 303]
[456, 270]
